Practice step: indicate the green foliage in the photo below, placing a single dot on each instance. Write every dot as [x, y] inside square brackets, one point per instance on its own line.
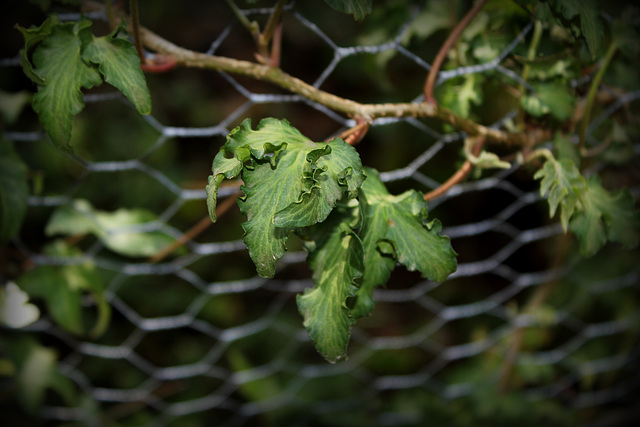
[358, 8]
[582, 17]
[13, 191]
[355, 231]
[553, 97]
[66, 57]
[35, 371]
[62, 288]
[592, 213]
[114, 229]
[289, 182]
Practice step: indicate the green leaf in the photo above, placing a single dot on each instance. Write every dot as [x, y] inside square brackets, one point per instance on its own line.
[336, 257]
[14, 191]
[605, 216]
[120, 65]
[564, 184]
[553, 98]
[112, 228]
[58, 60]
[588, 13]
[62, 288]
[33, 36]
[396, 226]
[358, 8]
[63, 303]
[289, 182]
[36, 371]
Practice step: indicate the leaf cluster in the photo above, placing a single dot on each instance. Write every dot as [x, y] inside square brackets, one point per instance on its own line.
[62, 58]
[595, 215]
[354, 230]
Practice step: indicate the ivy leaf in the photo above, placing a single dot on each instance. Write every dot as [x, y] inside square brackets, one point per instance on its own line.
[14, 191]
[605, 216]
[58, 61]
[289, 182]
[119, 64]
[397, 227]
[112, 228]
[358, 8]
[563, 183]
[337, 259]
[553, 98]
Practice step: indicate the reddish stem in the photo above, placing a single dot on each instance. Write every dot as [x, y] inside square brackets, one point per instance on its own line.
[446, 46]
[457, 177]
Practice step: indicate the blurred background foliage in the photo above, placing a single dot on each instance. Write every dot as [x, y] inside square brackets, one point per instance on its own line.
[268, 373]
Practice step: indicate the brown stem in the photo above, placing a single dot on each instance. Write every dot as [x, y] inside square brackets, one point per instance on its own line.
[276, 76]
[270, 31]
[446, 46]
[194, 231]
[355, 134]
[457, 177]
[135, 28]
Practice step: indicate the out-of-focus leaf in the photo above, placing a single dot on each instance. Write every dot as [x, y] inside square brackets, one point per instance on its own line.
[15, 310]
[14, 191]
[553, 98]
[117, 230]
[358, 8]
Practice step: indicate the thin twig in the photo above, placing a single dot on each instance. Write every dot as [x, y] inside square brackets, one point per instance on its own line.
[446, 46]
[270, 30]
[194, 231]
[457, 177]
[355, 134]
[110, 15]
[591, 96]
[135, 28]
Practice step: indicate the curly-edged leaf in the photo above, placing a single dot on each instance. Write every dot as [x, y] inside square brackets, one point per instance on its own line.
[289, 182]
[605, 216]
[553, 98]
[563, 183]
[32, 36]
[358, 8]
[396, 226]
[58, 60]
[117, 230]
[119, 63]
[336, 257]
[14, 191]
[338, 172]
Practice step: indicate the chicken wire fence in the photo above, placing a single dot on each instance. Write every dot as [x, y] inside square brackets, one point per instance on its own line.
[199, 338]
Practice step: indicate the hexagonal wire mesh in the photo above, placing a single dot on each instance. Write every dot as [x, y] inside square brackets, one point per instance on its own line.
[198, 338]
